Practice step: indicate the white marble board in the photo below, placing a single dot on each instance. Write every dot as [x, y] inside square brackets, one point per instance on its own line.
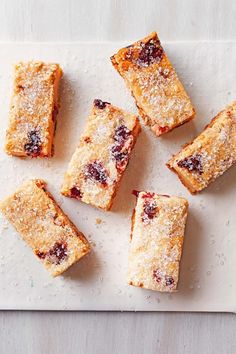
[98, 282]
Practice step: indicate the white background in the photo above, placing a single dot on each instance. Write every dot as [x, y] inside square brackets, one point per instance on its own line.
[113, 332]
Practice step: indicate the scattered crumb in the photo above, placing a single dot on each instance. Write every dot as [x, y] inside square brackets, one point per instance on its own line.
[93, 243]
[98, 221]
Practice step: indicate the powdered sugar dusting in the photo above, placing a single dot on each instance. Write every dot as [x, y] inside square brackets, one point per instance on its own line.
[211, 153]
[156, 244]
[33, 107]
[102, 156]
[160, 96]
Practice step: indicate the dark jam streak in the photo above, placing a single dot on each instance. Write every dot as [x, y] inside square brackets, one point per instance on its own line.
[100, 104]
[121, 149]
[75, 193]
[34, 145]
[157, 275]
[96, 172]
[55, 255]
[149, 211]
[150, 53]
[192, 163]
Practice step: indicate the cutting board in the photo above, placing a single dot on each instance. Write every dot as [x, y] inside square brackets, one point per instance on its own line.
[98, 281]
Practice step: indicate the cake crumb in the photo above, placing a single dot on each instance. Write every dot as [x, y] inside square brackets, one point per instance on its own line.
[98, 221]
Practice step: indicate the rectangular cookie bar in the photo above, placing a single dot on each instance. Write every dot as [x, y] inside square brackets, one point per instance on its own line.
[33, 109]
[156, 243]
[210, 154]
[100, 160]
[44, 227]
[160, 96]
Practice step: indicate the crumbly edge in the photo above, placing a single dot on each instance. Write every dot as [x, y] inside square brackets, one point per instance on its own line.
[56, 88]
[182, 179]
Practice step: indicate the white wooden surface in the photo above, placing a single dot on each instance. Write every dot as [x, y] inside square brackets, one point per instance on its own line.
[121, 333]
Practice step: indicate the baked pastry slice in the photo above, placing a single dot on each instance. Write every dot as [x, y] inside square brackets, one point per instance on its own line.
[210, 154]
[44, 227]
[156, 243]
[97, 165]
[160, 96]
[33, 110]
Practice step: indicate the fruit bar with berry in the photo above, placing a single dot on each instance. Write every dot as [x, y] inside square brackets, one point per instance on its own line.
[44, 227]
[33, 109]
[210, 154]
[101, 158]
[157, 235]
[160, 96]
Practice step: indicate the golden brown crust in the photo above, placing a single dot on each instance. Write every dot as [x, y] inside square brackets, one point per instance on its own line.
[33, 111]
[210, 154]
[181, 179]
[42, 224]
[132, 224]
[159, 95]
[98, 164]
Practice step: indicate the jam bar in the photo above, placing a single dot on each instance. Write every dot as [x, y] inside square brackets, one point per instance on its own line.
[45, 228]
[210, 154]
[156, 243]
[102, 156]
[160, 96]
[33, 110]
